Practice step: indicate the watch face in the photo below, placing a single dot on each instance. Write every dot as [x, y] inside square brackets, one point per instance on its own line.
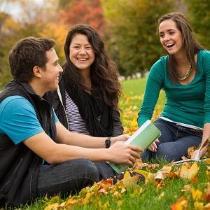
[108, 142]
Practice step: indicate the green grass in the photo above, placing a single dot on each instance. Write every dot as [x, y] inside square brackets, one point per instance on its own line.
[133, 87]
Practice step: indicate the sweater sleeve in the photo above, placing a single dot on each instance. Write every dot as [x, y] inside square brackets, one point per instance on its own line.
[151, 94]
[117, 124]
[206, 66]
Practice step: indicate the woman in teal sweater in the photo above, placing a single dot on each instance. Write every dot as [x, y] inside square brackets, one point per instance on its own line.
[184, 75]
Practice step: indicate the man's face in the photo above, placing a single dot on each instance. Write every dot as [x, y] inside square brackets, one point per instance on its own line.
[50, 74]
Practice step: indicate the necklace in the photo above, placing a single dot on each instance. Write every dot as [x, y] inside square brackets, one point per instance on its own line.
[185, 76]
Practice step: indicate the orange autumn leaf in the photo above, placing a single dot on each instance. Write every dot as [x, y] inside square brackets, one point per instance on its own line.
[207, 193]
[180, 204]
[104, 185]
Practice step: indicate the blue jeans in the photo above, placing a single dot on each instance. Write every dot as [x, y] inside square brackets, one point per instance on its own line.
[174, 141]
[71, 176]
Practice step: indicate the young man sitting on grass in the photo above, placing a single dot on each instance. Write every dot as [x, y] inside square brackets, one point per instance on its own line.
[38, 154]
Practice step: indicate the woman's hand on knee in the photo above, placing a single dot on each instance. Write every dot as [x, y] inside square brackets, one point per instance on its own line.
[153, 146]
[197, 154]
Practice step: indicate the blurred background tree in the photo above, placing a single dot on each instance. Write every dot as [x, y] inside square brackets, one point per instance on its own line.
[131, 32]
[83, 11]
[127, 27]
[199, 15]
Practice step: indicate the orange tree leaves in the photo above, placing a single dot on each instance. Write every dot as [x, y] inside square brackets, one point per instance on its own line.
[84, 11]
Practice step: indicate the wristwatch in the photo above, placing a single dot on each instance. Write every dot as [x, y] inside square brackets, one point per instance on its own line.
[108, 142]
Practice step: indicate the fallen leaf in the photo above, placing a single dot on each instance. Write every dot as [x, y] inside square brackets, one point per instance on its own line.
[180, 204]
[186, 188]
[53, 206]
[207, 206]
[207, 161]
[196, 194]
[198, 205]
[190, 151]
[163, 172]
[188, 171]
[129, 180]
[207, 193]
[149, 177]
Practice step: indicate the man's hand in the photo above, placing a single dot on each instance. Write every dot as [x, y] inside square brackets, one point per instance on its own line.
[124, 153]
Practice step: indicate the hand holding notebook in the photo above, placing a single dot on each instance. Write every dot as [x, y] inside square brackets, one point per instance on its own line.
[143, 137]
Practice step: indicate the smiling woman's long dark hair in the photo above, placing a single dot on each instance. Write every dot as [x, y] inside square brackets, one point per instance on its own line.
[103, 71]
[190, 44]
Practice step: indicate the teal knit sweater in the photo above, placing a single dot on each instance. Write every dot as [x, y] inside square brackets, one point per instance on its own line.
[189, 104]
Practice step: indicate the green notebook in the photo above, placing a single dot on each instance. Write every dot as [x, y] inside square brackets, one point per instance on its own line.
[143, 137]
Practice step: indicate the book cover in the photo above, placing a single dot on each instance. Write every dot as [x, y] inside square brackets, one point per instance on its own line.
[143, 137]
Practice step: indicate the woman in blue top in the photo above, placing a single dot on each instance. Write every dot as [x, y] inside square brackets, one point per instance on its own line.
[184, 75]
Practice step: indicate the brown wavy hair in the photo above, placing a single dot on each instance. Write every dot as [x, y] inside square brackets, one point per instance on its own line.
[26, 54]
[191, 45]
[103, 71]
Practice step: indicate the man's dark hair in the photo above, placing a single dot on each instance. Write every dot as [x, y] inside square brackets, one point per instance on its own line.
[26, 54]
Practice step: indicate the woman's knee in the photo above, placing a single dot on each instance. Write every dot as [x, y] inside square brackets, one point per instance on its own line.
[167, 152]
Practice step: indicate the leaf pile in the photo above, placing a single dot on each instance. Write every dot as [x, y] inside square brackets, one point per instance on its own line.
[134, 180]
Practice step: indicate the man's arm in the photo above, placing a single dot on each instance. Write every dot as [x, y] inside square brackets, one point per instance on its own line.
[67, 137]
[19, 122]
[53, 153]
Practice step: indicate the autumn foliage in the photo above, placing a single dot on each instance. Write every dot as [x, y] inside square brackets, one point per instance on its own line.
[84, 11]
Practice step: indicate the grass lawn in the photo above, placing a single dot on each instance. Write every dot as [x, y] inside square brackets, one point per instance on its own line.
[133, 87]
[190, 193]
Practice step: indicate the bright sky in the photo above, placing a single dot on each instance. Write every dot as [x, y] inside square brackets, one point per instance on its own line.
[13, 8]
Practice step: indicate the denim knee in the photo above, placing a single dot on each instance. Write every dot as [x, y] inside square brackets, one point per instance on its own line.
[167, 152]
[89, 169]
